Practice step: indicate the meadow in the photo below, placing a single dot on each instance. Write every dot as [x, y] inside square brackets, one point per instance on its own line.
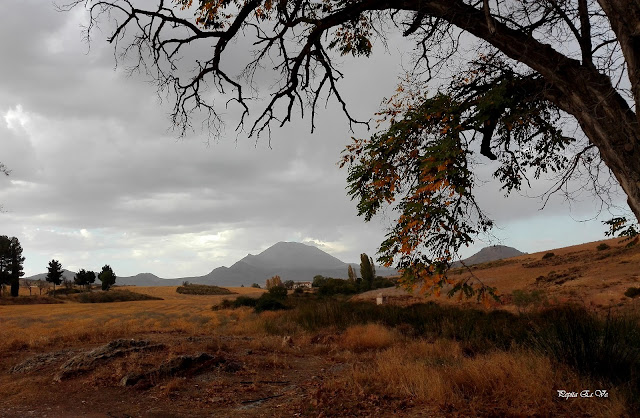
[188, 355]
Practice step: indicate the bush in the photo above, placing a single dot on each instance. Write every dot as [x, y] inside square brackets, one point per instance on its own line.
[268, 302]
[328, 286]
[28, 300]
[602, 247]
[278, 292]
[64, 291]
[111, 296]
[202, 289]
[298, 291]
[632, 292]
[381, 282]
[244, 301]
[548, 255]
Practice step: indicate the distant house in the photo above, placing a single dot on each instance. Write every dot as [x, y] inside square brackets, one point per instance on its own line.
[302, 285]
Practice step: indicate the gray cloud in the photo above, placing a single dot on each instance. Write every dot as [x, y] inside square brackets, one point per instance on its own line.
[98, 177]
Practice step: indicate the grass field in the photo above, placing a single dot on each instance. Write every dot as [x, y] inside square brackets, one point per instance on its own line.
[339, 357]
[33, 326]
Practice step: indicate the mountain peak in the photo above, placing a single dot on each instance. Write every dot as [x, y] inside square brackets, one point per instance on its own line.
[491, 253]
[293, 255]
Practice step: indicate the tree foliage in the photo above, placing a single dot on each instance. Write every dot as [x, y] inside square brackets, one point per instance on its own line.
[54, 273]
[367, 272]
[351, 274]
[107, 277]
[85, 278]
[275, 281]
[11, 263]
[538, 63]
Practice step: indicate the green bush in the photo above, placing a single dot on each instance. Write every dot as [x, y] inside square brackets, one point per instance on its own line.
[278, 292]
[111, 296]
[632, 292]
[202, 289]
[548, 255]
[29, 300]
[245, 301]
[268, 302]
[602, 247]
[328, 286]
[64, 291]
[382, 282]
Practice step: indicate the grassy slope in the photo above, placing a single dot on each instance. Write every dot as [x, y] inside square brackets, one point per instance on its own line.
[600, 277]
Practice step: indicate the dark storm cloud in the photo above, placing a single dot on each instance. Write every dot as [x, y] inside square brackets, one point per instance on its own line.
[98, 176]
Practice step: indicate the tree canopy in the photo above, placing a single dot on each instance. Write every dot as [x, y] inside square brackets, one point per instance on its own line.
[85, 278]
[54, 273]
[11, 263]
[534, 63]
[107, 277]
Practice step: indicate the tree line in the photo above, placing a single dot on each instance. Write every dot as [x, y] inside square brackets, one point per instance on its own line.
[12, 269]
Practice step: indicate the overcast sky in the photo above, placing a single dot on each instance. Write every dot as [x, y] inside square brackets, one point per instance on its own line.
[98, 178]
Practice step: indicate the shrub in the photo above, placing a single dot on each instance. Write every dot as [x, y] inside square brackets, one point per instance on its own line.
[64, 291]
[298, 291]
[244, 301]
[111, 296]
[28, 300]
[632, 292]
[548, 255]
[202, 289]
[602, 247]
[268, 302]
[381, 282]
[278, 292]
[256, 285]
[328, 286]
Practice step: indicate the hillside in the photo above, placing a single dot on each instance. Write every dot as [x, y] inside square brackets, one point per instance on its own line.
[588, 274]
[66, 274]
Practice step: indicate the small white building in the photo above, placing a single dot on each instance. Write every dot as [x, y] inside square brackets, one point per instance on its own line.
[302, 285]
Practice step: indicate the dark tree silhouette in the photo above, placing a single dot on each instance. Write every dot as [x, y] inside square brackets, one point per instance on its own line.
[367, 272]
[85, 278]
[54, 274]
[11, 263]
[107, 277]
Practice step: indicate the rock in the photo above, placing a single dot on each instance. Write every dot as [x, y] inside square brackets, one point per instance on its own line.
[39, 361]
[89, 360]
[180, 365]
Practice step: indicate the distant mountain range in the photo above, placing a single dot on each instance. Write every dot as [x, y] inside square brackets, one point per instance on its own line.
[66, 274]
[291, 261]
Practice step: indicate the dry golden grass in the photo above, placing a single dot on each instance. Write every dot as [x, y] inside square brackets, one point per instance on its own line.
[367, 337]
[42, 325]
[511, 383]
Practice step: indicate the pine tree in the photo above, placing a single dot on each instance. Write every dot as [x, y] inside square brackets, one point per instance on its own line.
[107, 277]
[54, 274]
